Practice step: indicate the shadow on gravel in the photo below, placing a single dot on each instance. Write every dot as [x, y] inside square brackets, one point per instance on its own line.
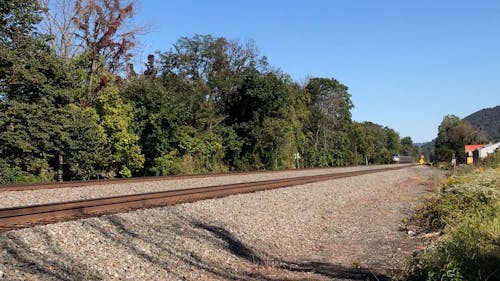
[234, 246]
[237, 248]
[335, 271]
[160, 252]
[259, 267]
[160, 244]
[50, 264]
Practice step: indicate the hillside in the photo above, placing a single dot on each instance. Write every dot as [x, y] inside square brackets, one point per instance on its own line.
[488, 120]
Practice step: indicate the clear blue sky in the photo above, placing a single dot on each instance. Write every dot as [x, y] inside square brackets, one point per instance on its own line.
[407, 63]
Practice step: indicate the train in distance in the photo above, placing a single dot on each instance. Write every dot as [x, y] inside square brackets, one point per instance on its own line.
[396, 158]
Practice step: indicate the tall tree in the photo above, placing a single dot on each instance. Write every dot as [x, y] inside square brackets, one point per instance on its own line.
[102, 31]
[393, 143]
[29, 70]
[41, 130]
[156, 114]
[17, 38]
[329, 123]
[361, 145]
[17, 21]
[58, 22]
[213, 66]
[381, 142]
[212, 77]
[453, 135]
[256, 109]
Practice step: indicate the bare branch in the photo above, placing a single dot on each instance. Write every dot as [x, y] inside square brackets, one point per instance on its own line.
[58, 23]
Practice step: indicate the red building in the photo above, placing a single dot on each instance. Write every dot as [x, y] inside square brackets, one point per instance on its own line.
[469, 150]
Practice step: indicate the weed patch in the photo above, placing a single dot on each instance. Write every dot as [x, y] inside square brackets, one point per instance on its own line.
[467, 211]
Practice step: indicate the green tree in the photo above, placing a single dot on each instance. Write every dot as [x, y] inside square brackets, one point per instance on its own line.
[41, 130]
[407, 147]
[156, 115]
[29, 70]
[453, 135]
[206, 70]
[361, 148]
[379, 143]
[259, 97]
[82, 144]
[226, 88]
[172, 137]
[329, 123]
[392, 140]
[116, 117]
[202, 152]
[40, 139]
[26, 137]
[17, 21]
[278, 142]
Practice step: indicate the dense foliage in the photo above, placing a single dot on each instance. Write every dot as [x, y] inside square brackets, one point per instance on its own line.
[453, 135]
[467, 211]
[208, 104]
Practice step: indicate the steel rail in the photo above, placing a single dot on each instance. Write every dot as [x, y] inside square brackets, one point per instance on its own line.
[26, 216]
[82, 183]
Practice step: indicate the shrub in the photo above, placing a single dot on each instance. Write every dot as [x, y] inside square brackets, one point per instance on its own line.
[493, 160]
[459, 195]
[468, 212]
[13, 175]
[167, 164]
[472, 251]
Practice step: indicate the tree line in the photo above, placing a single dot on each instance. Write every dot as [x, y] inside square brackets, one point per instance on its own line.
[73, 107]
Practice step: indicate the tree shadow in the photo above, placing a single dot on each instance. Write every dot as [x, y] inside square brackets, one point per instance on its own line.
[335, 271]
[237, 248]
[223, 239]
[234, 246]
[124, 236]
[154, 247]
[52, 264]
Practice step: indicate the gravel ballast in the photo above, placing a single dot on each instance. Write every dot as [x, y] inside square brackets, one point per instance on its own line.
[333, 230]
[31, 197]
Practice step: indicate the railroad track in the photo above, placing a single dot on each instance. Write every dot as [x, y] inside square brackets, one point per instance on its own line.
[82, 183]
[68, 184]
[27, 216]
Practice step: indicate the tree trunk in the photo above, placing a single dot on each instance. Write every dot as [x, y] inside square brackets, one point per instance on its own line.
[60, 169]
[89, 96]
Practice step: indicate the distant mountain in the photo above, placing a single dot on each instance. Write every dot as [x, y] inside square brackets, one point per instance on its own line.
[420, 144]
[487, 120]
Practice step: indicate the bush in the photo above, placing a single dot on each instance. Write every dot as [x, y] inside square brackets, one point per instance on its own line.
[458, 196]
[167, 164]
[472, 251]
[468, 212]
[444, 165]
[13, 175]
[492, 161]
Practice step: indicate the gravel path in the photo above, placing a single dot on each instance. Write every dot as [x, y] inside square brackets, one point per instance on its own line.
[30, 197]
[345, 229]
